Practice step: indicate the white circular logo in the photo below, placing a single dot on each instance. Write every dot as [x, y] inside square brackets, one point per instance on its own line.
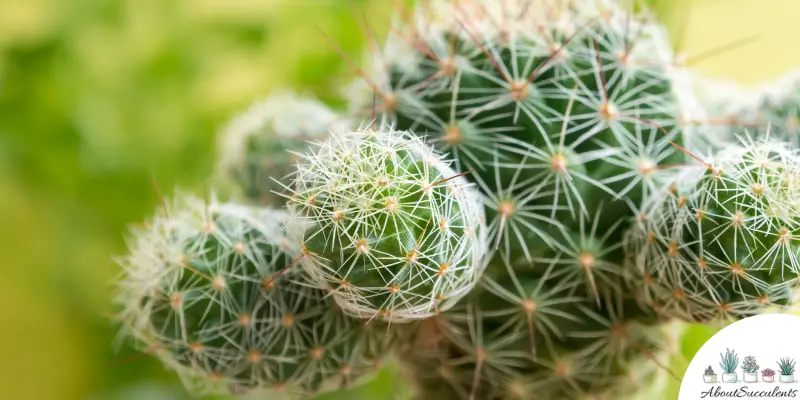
[757, 357]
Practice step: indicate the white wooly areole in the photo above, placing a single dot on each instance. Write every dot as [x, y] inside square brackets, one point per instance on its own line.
[393, 231]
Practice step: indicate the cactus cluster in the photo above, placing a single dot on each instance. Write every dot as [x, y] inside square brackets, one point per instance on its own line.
[568, 120]
[201, 292]
[512, 205]
[261, 145]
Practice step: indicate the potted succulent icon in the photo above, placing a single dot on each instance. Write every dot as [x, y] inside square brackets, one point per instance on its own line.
[750, 369]
[709, 376]
[768, 375]
[728, 362]
[786, 366]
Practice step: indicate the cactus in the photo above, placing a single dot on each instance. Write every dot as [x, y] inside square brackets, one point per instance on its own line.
[772, 109]
[779, 107]
[721, 244]
[566, 117]
[258, 147]
[521, 213]
[201, 291]
[709, 371]
[393, 230]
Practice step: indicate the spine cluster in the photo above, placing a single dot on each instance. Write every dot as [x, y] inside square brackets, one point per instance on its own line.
[527, 207]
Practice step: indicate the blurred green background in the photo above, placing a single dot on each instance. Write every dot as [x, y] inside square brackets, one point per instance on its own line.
[98, 96]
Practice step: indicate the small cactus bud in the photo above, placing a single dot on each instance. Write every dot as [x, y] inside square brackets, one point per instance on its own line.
[258, 146]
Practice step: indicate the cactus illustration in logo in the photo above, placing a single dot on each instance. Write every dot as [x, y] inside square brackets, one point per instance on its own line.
[259, 147]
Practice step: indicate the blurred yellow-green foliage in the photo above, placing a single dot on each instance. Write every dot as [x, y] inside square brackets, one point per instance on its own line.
[98, 96]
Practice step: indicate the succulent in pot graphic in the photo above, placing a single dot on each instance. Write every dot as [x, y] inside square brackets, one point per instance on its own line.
[750, 368]
[786, 367]
[768, 375]
[709, 376]
[728, 362]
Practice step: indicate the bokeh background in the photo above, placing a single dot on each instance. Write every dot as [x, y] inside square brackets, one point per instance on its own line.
[99, 97]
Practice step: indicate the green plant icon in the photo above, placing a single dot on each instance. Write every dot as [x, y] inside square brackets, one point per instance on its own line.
[728, 362]
[786, 367]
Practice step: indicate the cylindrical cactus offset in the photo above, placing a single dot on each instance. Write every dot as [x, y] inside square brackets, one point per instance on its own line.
[779, 108]
[201, 289]
[771, 109]
[722, 244]
[393, 231]
[258, 147]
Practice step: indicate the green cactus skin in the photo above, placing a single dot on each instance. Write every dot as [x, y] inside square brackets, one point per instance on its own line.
[259, 146]
[569, 119]
[393, 230]
[201, 290]
[562, 125]
[722, 243]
